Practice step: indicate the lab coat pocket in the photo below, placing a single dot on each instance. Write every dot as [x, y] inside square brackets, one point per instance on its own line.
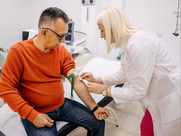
[169, 107]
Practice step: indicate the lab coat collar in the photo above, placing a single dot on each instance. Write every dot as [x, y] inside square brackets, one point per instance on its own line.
[123, 44]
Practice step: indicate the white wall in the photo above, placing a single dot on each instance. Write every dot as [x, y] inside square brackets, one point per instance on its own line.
[15, 16]
[71, 7]
[97, 45]
[18, 15]
[155, 16]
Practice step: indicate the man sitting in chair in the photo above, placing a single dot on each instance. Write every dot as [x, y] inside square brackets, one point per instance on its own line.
[31, 82]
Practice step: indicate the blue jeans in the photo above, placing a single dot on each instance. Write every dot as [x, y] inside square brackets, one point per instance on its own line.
[73, 112]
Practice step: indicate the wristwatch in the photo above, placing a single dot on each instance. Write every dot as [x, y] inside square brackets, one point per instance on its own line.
[104, 92]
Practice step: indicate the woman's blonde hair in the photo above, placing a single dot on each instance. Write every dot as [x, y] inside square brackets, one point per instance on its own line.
[116, 22]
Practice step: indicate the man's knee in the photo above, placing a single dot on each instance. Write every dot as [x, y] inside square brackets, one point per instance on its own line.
[98, 129]
[99, 125]
[102, 123]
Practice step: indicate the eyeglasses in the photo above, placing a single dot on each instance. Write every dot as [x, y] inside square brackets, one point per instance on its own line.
[60, 36]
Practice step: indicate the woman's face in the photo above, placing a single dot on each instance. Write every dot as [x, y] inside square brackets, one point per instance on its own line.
[103, 34]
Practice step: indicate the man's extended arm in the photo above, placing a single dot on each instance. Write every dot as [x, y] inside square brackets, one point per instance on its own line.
[81, 90]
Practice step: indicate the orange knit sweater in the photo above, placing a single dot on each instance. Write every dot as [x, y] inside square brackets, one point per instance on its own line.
[31, 80]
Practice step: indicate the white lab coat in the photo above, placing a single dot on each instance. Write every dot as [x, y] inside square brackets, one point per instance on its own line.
[153, 74]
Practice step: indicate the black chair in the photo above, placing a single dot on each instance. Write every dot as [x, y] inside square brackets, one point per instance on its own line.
[66, 129]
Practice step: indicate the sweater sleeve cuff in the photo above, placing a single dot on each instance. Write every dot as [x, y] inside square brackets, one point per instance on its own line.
[32, 115]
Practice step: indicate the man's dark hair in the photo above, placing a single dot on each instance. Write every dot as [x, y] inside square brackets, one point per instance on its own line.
[51, 15]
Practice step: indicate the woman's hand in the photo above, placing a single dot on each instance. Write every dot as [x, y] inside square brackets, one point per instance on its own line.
[88, 76]
[95, 88]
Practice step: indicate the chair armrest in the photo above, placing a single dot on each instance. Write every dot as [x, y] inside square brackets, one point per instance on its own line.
[106, 100]
[66, 129]
[1, 134]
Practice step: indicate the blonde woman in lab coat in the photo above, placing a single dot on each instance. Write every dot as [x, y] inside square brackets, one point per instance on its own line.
[150, 68]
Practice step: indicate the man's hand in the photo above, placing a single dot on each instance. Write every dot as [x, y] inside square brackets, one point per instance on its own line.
[101, 113]
[42, 120]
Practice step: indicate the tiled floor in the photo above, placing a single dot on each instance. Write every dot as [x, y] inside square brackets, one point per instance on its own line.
[129, 117]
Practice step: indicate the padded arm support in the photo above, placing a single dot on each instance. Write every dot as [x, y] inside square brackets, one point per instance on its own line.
[1, 134]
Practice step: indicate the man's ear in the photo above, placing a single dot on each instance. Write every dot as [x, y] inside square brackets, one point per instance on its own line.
[43, 32]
